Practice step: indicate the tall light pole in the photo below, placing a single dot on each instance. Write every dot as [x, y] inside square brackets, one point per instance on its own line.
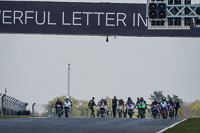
[68, 81]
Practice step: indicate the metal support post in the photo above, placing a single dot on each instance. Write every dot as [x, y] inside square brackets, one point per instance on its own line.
[68, 83]
[3, 104]
[33, 111]
[6, 105]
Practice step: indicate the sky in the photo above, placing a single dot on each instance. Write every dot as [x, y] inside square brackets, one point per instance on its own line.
[34, 68]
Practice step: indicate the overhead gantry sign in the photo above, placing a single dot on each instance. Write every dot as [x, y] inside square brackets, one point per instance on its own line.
[102, 19]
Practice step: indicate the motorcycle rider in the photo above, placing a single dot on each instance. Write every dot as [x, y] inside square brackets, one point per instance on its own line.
[58, 102]
[114, 106]
[121, 103]
[162, 101]
[103, 101]
[171, 103]
[140, 101]
[155, 102]
[91, 105]
[68, 98]
[128, 102]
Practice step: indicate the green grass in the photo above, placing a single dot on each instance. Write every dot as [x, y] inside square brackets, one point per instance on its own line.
[191, 125]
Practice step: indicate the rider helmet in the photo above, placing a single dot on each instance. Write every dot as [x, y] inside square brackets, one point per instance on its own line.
[163, 99]
[93, 98]
[58, 99]
[129, 98]
[141, 98]
[67, 97]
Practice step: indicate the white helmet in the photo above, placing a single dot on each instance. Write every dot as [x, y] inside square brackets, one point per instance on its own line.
[67, 97]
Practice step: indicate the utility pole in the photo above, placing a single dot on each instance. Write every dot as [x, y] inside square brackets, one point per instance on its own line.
[68, 81]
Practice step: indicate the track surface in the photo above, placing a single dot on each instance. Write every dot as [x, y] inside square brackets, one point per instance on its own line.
[84, 125]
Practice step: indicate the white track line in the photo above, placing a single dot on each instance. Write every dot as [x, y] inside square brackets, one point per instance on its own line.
[170, 126]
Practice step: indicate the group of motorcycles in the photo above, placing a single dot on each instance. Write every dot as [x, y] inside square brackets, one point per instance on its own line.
[163, 109]
[102, 110]
[130, 110]
[65, 108]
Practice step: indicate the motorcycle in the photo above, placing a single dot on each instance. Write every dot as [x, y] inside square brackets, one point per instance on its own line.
[120, 110]
[67, 107]
[171, 111]
[154, 110]
[59, 110]
[130, 110]
[163, 111]
[141, 109]
[102, 110]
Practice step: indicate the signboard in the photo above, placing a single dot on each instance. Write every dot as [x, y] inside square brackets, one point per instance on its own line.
[109, 19]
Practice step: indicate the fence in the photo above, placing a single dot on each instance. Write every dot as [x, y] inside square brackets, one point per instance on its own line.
[12, 106]
[40, 110]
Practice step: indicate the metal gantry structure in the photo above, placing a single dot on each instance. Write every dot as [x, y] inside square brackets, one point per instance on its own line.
[11, 106]
[172, 14]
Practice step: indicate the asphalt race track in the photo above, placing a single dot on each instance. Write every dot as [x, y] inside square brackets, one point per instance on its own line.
[84, 125]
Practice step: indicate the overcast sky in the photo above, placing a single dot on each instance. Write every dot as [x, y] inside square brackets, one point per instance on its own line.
[33, 68]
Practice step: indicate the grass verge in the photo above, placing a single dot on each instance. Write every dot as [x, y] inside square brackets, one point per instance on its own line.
[191, 125]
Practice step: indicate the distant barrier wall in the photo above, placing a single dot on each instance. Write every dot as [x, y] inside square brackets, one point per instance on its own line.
[12, 106]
